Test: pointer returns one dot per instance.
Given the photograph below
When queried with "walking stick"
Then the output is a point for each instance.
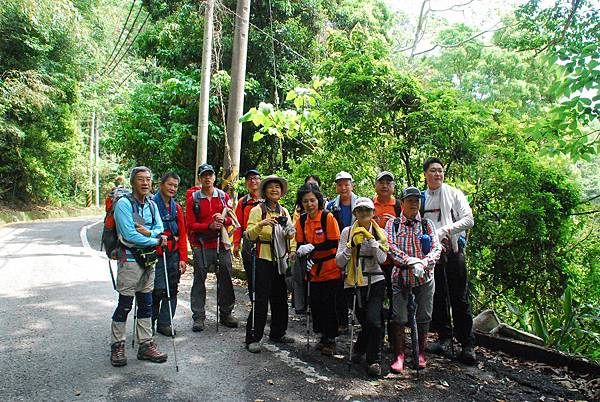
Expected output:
(170, 310)
(448, 306)
(412, 320)
(352, 317)
(134, 323)
(253, 287)
(217, 264)
(112, 275)
(308, 309)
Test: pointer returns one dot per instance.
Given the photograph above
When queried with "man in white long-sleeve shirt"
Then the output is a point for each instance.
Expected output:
(449, 210)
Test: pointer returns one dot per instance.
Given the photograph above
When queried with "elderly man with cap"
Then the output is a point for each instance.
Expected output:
(140, 231)
(204, 215)
(242, 212)
(341, 208)
(415, 249)
(270, 226)
(362, 249)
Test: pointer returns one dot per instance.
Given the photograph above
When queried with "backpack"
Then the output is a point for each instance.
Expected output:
(424, 238)
(304, 217)
(110, 238)
(196, 195)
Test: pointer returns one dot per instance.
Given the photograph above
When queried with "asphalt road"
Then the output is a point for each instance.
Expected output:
(56, 302)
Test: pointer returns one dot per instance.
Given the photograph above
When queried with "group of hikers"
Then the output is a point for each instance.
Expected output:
(341, 260)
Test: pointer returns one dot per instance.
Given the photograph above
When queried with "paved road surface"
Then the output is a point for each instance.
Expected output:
(56, 301)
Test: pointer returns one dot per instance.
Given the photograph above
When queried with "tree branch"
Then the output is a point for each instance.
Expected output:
(453, 7)
(576, 4)
(454, 45)
(585, 213)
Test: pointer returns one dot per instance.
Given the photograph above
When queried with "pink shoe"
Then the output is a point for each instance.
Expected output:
(398, 364)
(422, 360)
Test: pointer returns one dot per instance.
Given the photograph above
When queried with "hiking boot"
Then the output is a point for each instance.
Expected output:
(320, 344)
(283, 339)
(149, 351)
(198, 325)
(467, 355)
(117, 354)
(374, 370)
(442, 348)
(253, 347)
(229, 321)
(165, 330)
(328, 348)
(358, 358)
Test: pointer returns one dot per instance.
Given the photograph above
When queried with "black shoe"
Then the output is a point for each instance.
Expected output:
(198, 325)
(442, 348)
(229, 321)
(283, 339)
(467, 355)
(165, 330)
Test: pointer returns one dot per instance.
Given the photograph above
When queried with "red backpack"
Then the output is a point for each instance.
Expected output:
(110, 239)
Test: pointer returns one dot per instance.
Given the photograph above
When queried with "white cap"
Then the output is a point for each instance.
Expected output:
(363, 202)
(343, 176)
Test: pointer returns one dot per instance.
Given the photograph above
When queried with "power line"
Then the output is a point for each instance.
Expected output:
(130, 45)
(264, 32)
(120, 35)
(126, 37)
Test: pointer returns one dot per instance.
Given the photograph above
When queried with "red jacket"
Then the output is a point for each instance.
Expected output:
(182, 243)
(197, 225)
(242, 212)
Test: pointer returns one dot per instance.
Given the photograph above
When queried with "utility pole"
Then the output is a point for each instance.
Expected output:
(202, 139)
(98, 162)
(235, 107)
(91, 175)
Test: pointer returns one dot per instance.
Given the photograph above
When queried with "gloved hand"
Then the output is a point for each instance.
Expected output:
(442, 233)
(305, 249)
(373, 243)
(356, 236)
(418, 266)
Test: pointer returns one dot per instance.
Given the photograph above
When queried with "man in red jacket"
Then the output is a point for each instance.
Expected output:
(242, 212)
(171, 214)
(204, 209)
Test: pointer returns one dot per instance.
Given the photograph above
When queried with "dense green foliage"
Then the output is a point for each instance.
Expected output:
(514, 116)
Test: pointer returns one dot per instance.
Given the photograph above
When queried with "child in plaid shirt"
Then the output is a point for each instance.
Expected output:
(409, 236)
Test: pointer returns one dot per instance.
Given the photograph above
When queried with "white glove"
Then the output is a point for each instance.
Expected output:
(442, 233)
(305, 249)
(419, 270)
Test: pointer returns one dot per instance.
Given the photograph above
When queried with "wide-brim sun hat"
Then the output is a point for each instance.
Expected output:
(282, 182)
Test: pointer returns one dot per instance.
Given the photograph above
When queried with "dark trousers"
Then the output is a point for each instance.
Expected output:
(370, 318)
(341, 303)
(160, 308)
(322, 306)
(270, 289)
(458, 288)
(203, 260)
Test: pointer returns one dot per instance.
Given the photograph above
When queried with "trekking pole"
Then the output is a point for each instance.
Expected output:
(134, 323)
(448, 307)
(308, 310)
(217, 263)
(170, 310)
(351, 323)
(414, 335)
(253, 287)
(112, 275)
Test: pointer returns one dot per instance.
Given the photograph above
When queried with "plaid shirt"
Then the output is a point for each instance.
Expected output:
(404, 243)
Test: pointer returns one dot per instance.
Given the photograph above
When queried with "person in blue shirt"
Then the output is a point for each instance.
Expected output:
(341, 208)
(140, 231)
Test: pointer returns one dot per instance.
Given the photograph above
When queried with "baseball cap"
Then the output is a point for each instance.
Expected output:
(363, 202)
(385, 174)
(205, 167)
(343, 176)
(411, 192)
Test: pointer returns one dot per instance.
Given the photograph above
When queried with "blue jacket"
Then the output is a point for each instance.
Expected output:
(333, 206)
(126, 225)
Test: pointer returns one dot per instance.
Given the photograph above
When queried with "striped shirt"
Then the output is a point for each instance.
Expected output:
(405, 243)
